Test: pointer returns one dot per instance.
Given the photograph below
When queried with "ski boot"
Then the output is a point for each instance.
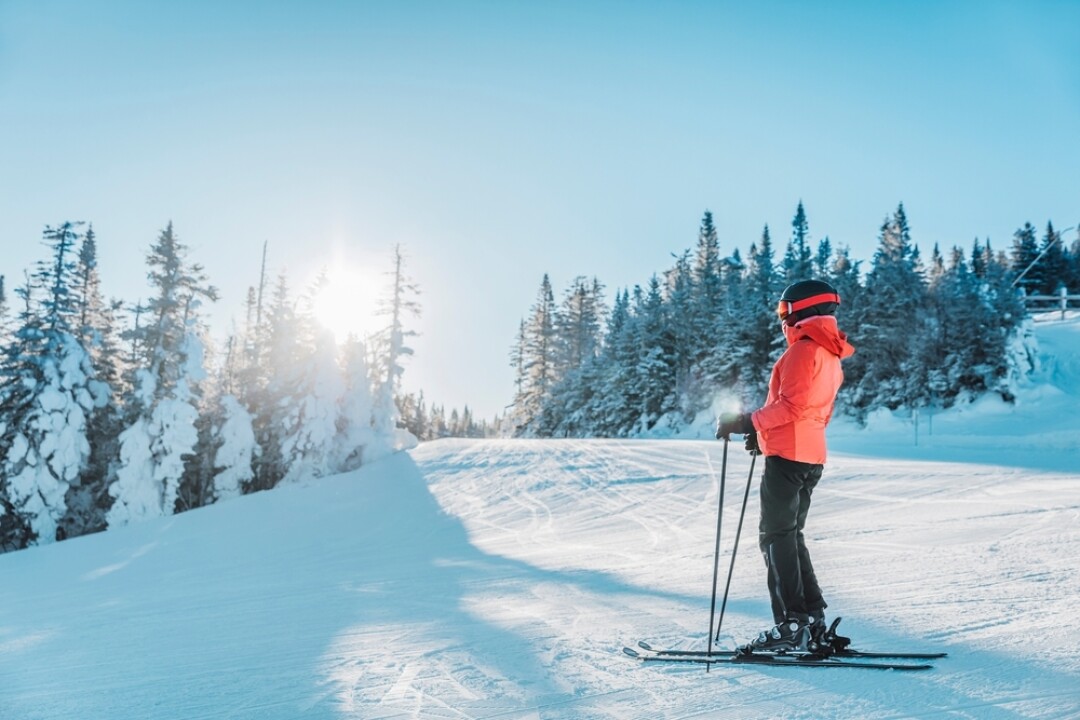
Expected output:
(792, 635)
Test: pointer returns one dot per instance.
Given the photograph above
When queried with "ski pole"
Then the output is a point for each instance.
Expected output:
(716, 553)
(734, 550)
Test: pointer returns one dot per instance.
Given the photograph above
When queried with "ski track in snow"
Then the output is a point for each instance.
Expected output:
(915, 554)
(501, 578)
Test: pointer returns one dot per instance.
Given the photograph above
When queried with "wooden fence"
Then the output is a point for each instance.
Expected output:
(1044, 303)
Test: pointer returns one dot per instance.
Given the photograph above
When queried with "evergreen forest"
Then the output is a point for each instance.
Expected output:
(929, 331)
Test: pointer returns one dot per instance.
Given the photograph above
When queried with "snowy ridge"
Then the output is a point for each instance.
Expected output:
(473, 579)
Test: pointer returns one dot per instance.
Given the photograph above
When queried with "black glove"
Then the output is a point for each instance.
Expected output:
(730, 424)
(751, 443)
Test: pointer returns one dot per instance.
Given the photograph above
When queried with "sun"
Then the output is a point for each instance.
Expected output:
(347, 304)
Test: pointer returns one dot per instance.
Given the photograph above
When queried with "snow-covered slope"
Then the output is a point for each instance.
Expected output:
(501, 578)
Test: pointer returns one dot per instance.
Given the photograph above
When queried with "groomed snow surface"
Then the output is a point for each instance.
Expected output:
(500, 579)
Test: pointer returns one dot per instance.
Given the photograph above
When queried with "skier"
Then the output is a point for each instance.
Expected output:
(790, 431)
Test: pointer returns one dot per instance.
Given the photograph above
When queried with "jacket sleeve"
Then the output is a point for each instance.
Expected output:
(796, 377)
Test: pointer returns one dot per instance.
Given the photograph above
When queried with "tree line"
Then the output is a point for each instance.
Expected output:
(928, 332)
(113, 412)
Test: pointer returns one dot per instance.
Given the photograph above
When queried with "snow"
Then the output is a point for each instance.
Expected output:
(233, 458)
(474, 579)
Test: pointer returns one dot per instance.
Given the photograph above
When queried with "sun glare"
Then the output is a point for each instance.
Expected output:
(347, 304)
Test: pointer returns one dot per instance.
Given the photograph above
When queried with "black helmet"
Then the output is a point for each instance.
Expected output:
(807, 298)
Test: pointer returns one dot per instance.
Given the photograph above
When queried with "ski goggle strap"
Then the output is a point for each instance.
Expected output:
(786, 307)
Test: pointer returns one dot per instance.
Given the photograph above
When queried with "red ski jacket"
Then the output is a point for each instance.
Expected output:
(802, 390)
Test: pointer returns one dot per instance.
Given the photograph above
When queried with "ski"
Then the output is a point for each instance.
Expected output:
(772, 661)
(845, 653)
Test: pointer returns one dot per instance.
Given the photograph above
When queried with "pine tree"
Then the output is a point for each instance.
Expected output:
(886, 361)
(272, 405)
(707, 289)
(946, 286)
(47, 389)
(438, 423)
(1055, 266)
(680, 286)
(1072, 265)
(308, 447)
(578, 325)
(1025, 250)
(798, 259)
(724, 367)
(1003, 314)
(654, 375)
(539, 361)
(518, 357)
(757, 339)
(397, 306)
(3, 311)
(235, 450)
(355, 440)
(97, 332)
(578, 338)
(937, 267)
(162, 435)
(823, 260)
(613, 411)
(978, 258)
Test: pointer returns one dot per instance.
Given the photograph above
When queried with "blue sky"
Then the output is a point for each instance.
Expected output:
(497, 141)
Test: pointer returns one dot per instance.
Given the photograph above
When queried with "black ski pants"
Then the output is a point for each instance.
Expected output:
(786, 487)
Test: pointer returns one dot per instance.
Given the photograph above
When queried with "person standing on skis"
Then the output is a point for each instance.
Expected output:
(789, 430)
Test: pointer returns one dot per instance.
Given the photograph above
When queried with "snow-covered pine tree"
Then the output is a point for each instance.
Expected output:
(654, 374)
(707, 291)
(539, 361)
(722, 368)
(161, 434)
(420, 419)
(1004, 356)
(254, 366)
(884, 371)
(47, 389)
(398, 305)
(845, 276)
(578, 324)
(354, 442)
(679, 284)
(235, 449)
(308, 447)
(939, 347)
(97, 331)
(612, 405)
(758, 341)
(516, 418)
(407, 410)
(272, 405)
(438, 427)
(3, 312)
(578, 328)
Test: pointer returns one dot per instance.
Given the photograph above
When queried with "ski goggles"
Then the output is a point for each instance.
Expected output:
(785, 307)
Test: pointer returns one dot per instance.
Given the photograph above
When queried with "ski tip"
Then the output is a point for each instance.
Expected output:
(631, 652)
(645, 646)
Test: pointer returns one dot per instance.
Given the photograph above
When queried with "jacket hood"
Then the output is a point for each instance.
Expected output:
(823, 330)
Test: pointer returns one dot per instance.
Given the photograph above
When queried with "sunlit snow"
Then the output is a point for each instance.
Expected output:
(475, 579)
